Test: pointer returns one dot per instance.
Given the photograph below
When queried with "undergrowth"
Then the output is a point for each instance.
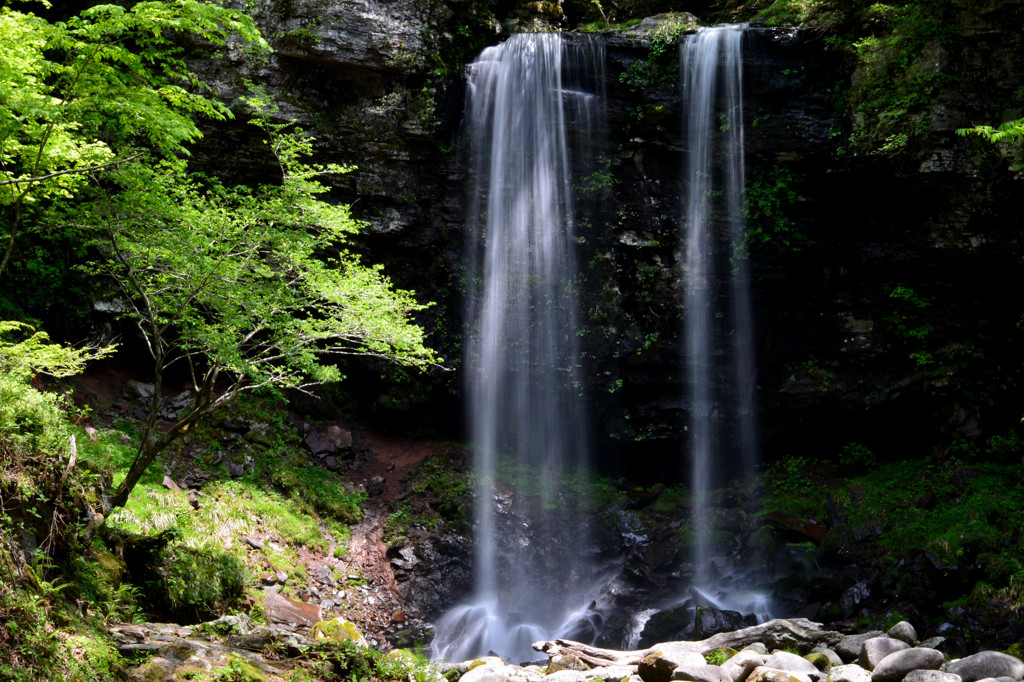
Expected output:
(960, 506)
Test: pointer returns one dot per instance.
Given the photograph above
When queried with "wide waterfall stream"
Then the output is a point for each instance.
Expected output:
(533, 109)
(534, 115)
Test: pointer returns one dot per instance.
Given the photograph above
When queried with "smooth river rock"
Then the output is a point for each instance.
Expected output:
(930, 676)
(700, 673)
(659, 665)
(875, 649)
(904, 632)
(783, 660)
(988, 664)
(851, 672)
(899, 664)
(849, 647)
(766, 674)
(739, 667)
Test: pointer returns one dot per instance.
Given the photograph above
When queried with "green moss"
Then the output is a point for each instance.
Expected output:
(336, 630)
(719, 656)
(818, 660)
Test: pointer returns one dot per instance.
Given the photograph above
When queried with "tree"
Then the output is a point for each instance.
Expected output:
(90, 94)
(248, 288)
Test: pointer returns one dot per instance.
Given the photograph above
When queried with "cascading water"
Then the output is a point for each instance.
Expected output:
(532, 106)
(721, 381)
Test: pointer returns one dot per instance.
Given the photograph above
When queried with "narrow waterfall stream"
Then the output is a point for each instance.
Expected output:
(720, 360)
(533, 107)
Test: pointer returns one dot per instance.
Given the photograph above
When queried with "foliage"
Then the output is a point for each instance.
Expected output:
(909, 323)
(347, 660)
(445, 480)
(790, 487)
(25, 352)
(817, 14)
(47, 518)
(769, 198)
(958, 506)
(659, 69)
(42, 494)
(1007, 137)
(249, 289)
(439, 490)
(890, 51)
(894, 78)
(193, 542)
(79, 97)
(717, 656)
(33, 648)
(252, 286)
(1011, 131)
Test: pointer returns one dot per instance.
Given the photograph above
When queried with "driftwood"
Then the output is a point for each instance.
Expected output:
(596, 657)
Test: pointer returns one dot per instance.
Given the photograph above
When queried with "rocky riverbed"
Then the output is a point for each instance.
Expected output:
(781, 650)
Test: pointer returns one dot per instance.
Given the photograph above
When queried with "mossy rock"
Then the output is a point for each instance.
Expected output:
(487, 660)
(109, 567)
(154, 670)
(337, 630)
(565, 662)
(403, 656)
(819, 660)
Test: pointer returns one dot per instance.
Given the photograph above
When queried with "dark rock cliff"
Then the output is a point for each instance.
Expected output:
(884, 278)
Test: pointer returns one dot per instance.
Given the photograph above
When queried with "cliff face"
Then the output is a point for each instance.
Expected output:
(884, 269)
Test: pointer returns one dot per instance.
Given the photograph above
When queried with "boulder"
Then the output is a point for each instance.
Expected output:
(739, 667)
(788, 635)
(611, 673)
(898, 664)
(700, 673)
(904, 632)
(930, 676)
(783, 660)
(565, 662)
(658, 666)
(849, 647)
(766, 674)
(850, 672)
(488, 672)
(337, 630)
(289, 613)
(819, 660)
(875, 649)
(987, 664)
(830, 654)
(341, 438)
(560, 676)
(138, 390)
(711, 621)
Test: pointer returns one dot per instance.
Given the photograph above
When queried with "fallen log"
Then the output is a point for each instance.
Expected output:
(596, 657)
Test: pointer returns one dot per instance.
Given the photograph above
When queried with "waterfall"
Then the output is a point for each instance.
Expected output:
(532, 106)
(720, 361)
